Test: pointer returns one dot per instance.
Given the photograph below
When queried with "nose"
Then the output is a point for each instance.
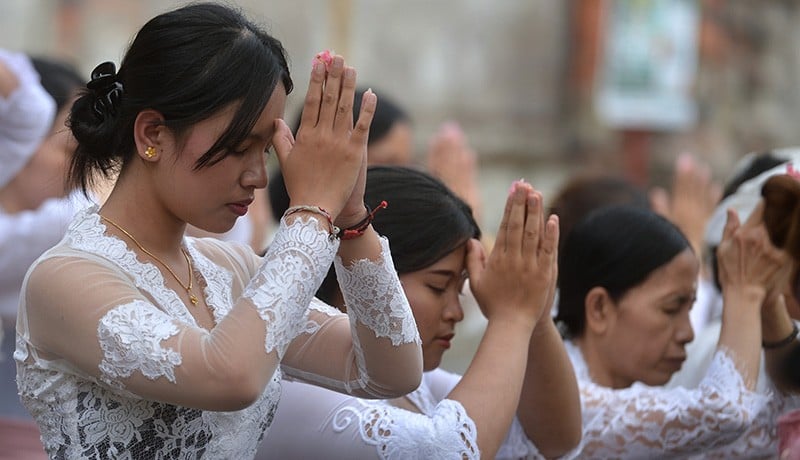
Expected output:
(453, 311)
(684, 333)
(255, 173)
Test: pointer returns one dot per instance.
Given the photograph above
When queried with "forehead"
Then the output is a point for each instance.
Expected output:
(680, 272)
(452, 263)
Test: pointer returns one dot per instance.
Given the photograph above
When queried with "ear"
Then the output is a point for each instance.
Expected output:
(149, 131)
(600, 310)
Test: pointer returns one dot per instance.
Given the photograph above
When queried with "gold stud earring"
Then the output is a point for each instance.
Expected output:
(150, 151)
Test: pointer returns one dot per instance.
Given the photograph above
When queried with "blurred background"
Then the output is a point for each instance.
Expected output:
(541, 88)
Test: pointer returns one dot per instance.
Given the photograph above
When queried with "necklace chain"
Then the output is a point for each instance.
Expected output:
(192, 297)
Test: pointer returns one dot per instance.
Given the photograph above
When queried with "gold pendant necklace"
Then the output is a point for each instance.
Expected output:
(192, 297)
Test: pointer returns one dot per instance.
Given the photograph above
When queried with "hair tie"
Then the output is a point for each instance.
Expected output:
(106, 88)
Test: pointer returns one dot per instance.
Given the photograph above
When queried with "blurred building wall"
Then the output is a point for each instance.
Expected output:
(517, 74)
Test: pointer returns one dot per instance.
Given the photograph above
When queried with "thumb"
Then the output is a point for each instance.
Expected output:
(731, 224)
(282, 140)
(475, 263)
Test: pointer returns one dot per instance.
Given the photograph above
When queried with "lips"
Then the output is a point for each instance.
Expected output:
(240, 207)
(444, 340)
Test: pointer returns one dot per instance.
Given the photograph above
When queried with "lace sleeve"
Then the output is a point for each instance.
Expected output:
(761, 438)
(294, 266)
(135, 334)
(647, 422)
(393, 370)
(378, 309)
(312, 422)
(373, 295)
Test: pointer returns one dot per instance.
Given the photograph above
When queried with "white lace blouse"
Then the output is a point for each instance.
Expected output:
(656, 422)
(103, 344)
(312, 422)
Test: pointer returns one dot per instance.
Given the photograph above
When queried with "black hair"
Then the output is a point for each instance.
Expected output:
(187, 64)
(585, 193)
(59, 78)
(614, 247)
(387, 114)
(424, 220)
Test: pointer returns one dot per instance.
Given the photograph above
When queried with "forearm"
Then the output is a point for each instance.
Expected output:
(550, 388)
(776, 327)
(490, 388)
(386, 345)
(739, 336)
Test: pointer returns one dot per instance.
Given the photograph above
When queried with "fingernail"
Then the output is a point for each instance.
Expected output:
(319, 67)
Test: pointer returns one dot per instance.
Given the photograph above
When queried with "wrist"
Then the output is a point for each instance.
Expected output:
(744, 293)
(358, 229)
(775, 341)
(514, 320)
(347, 219)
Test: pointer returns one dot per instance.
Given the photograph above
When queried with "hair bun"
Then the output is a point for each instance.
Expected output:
(782, 212)
(106, 89)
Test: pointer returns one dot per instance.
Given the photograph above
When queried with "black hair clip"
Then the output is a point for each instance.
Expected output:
(106, 89)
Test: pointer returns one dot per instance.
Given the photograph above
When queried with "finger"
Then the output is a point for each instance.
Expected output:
(534, 223)
(731, 224)
(517, 218)
(502, 230)
(310, 114)
(549, 245)
(282, 140)
(330, 95)
(361, 130)
(475, 262)
(344, 111)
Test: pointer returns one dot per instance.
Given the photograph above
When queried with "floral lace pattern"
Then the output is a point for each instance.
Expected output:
(373, 293)
(761, 438)
(130, 337)
(375, 298)
(82, 418)
(398, 434)
(654, 422)
(290, 275)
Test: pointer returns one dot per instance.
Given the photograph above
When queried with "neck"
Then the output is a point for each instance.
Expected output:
(600, 370)
(143, 217)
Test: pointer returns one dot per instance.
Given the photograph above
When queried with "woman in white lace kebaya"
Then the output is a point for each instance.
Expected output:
(519, 393)
(135, 341)
(627, 279)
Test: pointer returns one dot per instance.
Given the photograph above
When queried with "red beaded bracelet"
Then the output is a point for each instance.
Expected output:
(358, 229)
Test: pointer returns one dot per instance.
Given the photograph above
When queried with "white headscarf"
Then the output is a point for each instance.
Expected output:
(26, 116)
(746, 197)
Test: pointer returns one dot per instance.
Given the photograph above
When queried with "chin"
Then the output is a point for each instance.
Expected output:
(430, 363)
(657, 381)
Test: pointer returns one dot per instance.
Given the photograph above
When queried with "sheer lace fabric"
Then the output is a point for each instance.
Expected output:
(314, 423)
(760, 440)
(655, 422)
(112, 364)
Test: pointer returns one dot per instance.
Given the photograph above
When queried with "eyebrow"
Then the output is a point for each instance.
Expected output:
(443, 272)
